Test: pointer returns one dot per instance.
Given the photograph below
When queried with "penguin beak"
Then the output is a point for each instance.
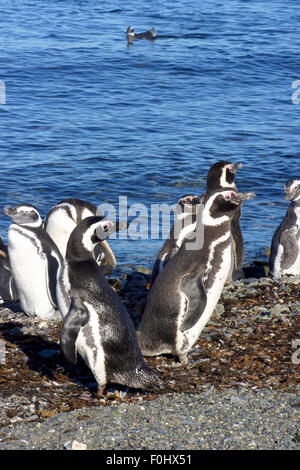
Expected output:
(110, 257)
(242, 197)
(237, 167)
(190, 200)
(194, 200)
(290, 193)
(9, 211)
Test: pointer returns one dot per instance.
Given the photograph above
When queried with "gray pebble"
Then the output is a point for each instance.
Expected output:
(254, 419)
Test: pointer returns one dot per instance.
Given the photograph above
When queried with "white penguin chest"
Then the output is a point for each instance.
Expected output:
(30, 269)
(219, 274)
(59, 227)
(89, 346)
(63, 289)
(294, 268)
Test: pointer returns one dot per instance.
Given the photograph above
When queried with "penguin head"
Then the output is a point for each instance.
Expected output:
(24, 215)
(221, 175)
(130, 31)
(189, 203)
(86, 235)
(220, 205)
(292, 189)
(152, 31)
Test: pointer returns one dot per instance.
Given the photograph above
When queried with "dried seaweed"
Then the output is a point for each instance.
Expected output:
(248, 345)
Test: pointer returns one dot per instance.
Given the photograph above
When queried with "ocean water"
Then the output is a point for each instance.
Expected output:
(84, 115)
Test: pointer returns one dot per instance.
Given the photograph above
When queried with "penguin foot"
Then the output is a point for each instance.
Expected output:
(86, 397)
(183, 359)
(101, 390)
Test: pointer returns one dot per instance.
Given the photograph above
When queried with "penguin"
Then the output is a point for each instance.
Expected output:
(186, 291)
(63, 218)
(222, 175)
(97, 325)
(34, 260)
(8, 292)
(184, 224)
(131, 35)
(285, 248)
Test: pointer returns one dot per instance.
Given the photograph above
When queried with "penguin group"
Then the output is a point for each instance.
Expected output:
(56, 269)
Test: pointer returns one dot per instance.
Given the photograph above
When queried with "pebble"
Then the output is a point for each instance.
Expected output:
(75, 445)
(219, 309)
(264, 419)
(278, 309)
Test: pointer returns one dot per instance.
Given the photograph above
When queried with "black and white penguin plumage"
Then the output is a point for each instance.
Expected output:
(186, 291)
(285, 248)
(131, 35)
(222, 175)
(63, 218)
(8, 290)
(184, 224)
(97, 324)
(34, 260)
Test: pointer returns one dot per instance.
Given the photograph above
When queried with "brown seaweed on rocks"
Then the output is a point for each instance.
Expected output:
(247, 344)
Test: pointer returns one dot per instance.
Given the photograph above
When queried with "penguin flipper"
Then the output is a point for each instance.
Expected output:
(155, 272)
(238, 242)
(195, 292)
(7, 285)
(160, 263)
(77, 317)
(51, 276)
(290, 247)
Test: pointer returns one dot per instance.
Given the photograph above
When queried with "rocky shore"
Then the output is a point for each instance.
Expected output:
(239, 390)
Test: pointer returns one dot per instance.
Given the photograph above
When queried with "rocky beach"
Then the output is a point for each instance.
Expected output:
(239, 390)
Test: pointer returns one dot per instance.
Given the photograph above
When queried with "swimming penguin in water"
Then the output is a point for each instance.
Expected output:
(285, 248)
(186, 291)
(222, 175)
(8, 292)
(184, 224)
(34, 260)
(131, 35)
(97, 324)
(63, 218)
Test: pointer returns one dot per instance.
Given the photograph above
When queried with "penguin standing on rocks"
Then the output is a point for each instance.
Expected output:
(285, 248)
(222, 175)
(186, 291)
(34, 260)
(185, 223)
(97, 324)
(8, 290)
(63, 218)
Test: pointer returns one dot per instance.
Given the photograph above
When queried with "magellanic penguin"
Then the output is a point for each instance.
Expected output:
(8, 290)
(285, 248)
(186, 291)
(63, 218)
(34, 260)
(97, 324)
(222, 175)
(131, 35)
(184, 224)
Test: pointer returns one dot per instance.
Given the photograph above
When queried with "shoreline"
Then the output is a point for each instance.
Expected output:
(244, 352)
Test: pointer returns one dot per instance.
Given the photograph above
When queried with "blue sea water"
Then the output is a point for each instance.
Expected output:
(87, 116)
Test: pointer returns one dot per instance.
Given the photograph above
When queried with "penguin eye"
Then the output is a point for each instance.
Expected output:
(227, 196)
